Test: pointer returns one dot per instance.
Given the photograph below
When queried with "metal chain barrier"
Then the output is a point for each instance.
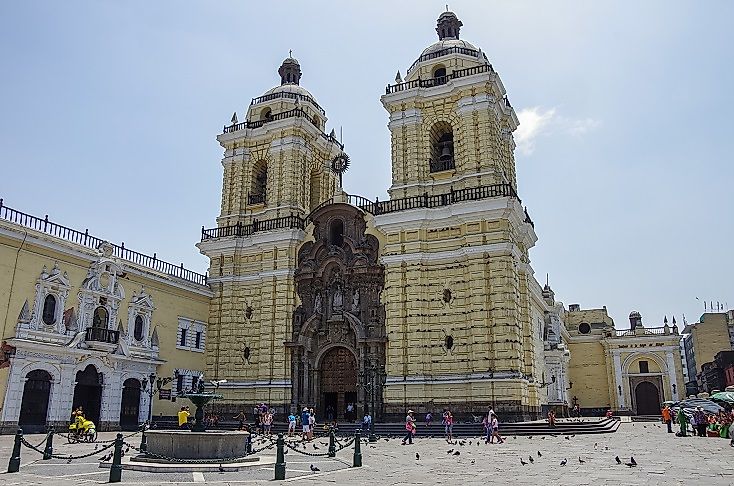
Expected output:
(69, 457)
(199, 461)
(44, 440)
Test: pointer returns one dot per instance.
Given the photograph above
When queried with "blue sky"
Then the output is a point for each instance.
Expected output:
(110, 112)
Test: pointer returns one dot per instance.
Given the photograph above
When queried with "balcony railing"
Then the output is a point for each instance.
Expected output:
(645, 331)
(372, 207)
(85, 239)
(285, 94)
(438, 81)
(445, 52)
(103, 335)
(256, 199)
(441, 165)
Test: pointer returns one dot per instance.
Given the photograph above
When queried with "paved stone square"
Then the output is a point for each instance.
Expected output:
(662, 459)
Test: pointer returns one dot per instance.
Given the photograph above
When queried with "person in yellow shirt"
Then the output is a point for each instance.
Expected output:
(183, 418)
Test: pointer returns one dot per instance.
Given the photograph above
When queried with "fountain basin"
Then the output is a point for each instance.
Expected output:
(184, 444)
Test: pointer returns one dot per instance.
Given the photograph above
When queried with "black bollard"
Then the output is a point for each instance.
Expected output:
(14, 464)
(357, 460)
(248, 444)
(332, 445)
(49, 450)
(116, 468)
(143, 441)
(280, 460)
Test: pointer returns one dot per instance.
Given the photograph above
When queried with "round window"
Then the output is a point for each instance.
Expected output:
(584, 328)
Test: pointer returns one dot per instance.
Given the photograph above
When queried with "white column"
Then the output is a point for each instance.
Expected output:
(672, 375)
(63, 394)
(618, 380)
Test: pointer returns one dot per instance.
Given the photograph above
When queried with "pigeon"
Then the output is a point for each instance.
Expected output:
(96, 446)
(632, 462)
(314, 468)
(449, 451)
(523, 462)
(285, 451)
(461, 443)
(457, 453)
(417, 457)
(221, 469)
(564, 462)
(469, 442)
(581, 461)
(531, 458)
(539, 454)
(68, 461)
(567, 438)
(315, 446)
(472, 461)
(596, 444)
(530, 437)
(618, 460)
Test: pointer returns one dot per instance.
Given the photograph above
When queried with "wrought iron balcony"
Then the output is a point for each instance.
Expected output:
(431, 82)
(286, 94)
(440, 165)
(464, 51)
(256, 199)
(101, 334)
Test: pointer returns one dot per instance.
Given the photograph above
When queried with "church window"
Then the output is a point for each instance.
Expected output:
(265, 114)
(644, 367)
(193, 341)
(584, 328)
(259, 183)
(138, 330)
(179, 383)
(183, 337)
(442, 147)
(101, 317)
(197, 340)
(336, 232)
(449, 342)
(439, 75)
(49, 310)
(446, 295)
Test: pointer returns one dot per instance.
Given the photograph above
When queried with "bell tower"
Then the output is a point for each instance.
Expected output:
(276, 170)
(450, 122)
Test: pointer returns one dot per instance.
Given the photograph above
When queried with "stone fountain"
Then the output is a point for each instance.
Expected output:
(197, 443)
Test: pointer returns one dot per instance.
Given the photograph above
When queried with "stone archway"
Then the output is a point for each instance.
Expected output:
(88, 393)
(34, 405)
(337, 382)
(647, 398)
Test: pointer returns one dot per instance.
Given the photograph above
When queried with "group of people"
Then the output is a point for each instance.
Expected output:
(702, 424)
(308, 422)
(489, 421)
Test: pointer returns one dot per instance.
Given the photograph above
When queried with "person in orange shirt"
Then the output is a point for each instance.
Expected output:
(668, 418)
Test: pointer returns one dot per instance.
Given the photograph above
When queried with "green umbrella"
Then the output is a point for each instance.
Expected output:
(727, 397)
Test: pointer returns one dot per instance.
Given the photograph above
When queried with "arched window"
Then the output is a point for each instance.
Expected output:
(101, 317)
(259, 183)
(138, 330)
(439, 75)
(49, 310)
(265, 114)
(442, 147)
(316, 121)
(336, 232)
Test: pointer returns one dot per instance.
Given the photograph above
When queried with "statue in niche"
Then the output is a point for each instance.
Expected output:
(338, 302)
(317, 304)
(355, 301)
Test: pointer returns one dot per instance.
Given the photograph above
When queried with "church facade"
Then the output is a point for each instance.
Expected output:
(315, 297)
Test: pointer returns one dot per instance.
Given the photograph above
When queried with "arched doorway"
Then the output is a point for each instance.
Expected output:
(130, 406)
(647, 399)
(338, 382)
(88, 393)
(34, 406)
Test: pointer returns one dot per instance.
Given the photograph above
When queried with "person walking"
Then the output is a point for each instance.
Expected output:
(366, 422)
(699, 417)
(183, 418)
(683, 422)
(429, 419)
(267, 422)
(667, 418)
(551, 418)
(291, 424)
(305, 417)
(409, 428)
(496, 430)
(311, 423)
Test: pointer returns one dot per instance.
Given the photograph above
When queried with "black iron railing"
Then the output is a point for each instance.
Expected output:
(85, 239)
(103, 335)
(441, 165)
(256, 199)
(369, 206)
(438, 81)
(445, 52)
(285, 94)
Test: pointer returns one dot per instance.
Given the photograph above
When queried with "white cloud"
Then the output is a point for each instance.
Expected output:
(538, 121)
(533, 121)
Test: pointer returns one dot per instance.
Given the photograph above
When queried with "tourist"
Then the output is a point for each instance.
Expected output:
(496, 430)
(291, 425)
(429, 419)
(609, 413)
(350, 412)
(668, 418)
(551, 418)
(311, 423)
(305, 417)
(448, 423)
(183, 418)
(700, 420)
(241, 419)
(267, 422)
(366, 422)
(576, 412)
(409, 428)
(683, 422)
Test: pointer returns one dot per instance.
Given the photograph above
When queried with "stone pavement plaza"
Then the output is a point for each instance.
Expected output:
(662, 458)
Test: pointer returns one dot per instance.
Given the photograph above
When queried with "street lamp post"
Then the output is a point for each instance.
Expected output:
(156, 384)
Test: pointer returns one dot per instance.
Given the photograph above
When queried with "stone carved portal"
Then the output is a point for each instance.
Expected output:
(338, 343)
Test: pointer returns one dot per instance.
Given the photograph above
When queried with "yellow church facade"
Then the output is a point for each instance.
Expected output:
(315, 297)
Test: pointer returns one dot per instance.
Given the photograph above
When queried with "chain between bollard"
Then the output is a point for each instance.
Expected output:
(199, 461)
(70, 457)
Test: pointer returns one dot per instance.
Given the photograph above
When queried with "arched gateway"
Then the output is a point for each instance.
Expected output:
(338, 344)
